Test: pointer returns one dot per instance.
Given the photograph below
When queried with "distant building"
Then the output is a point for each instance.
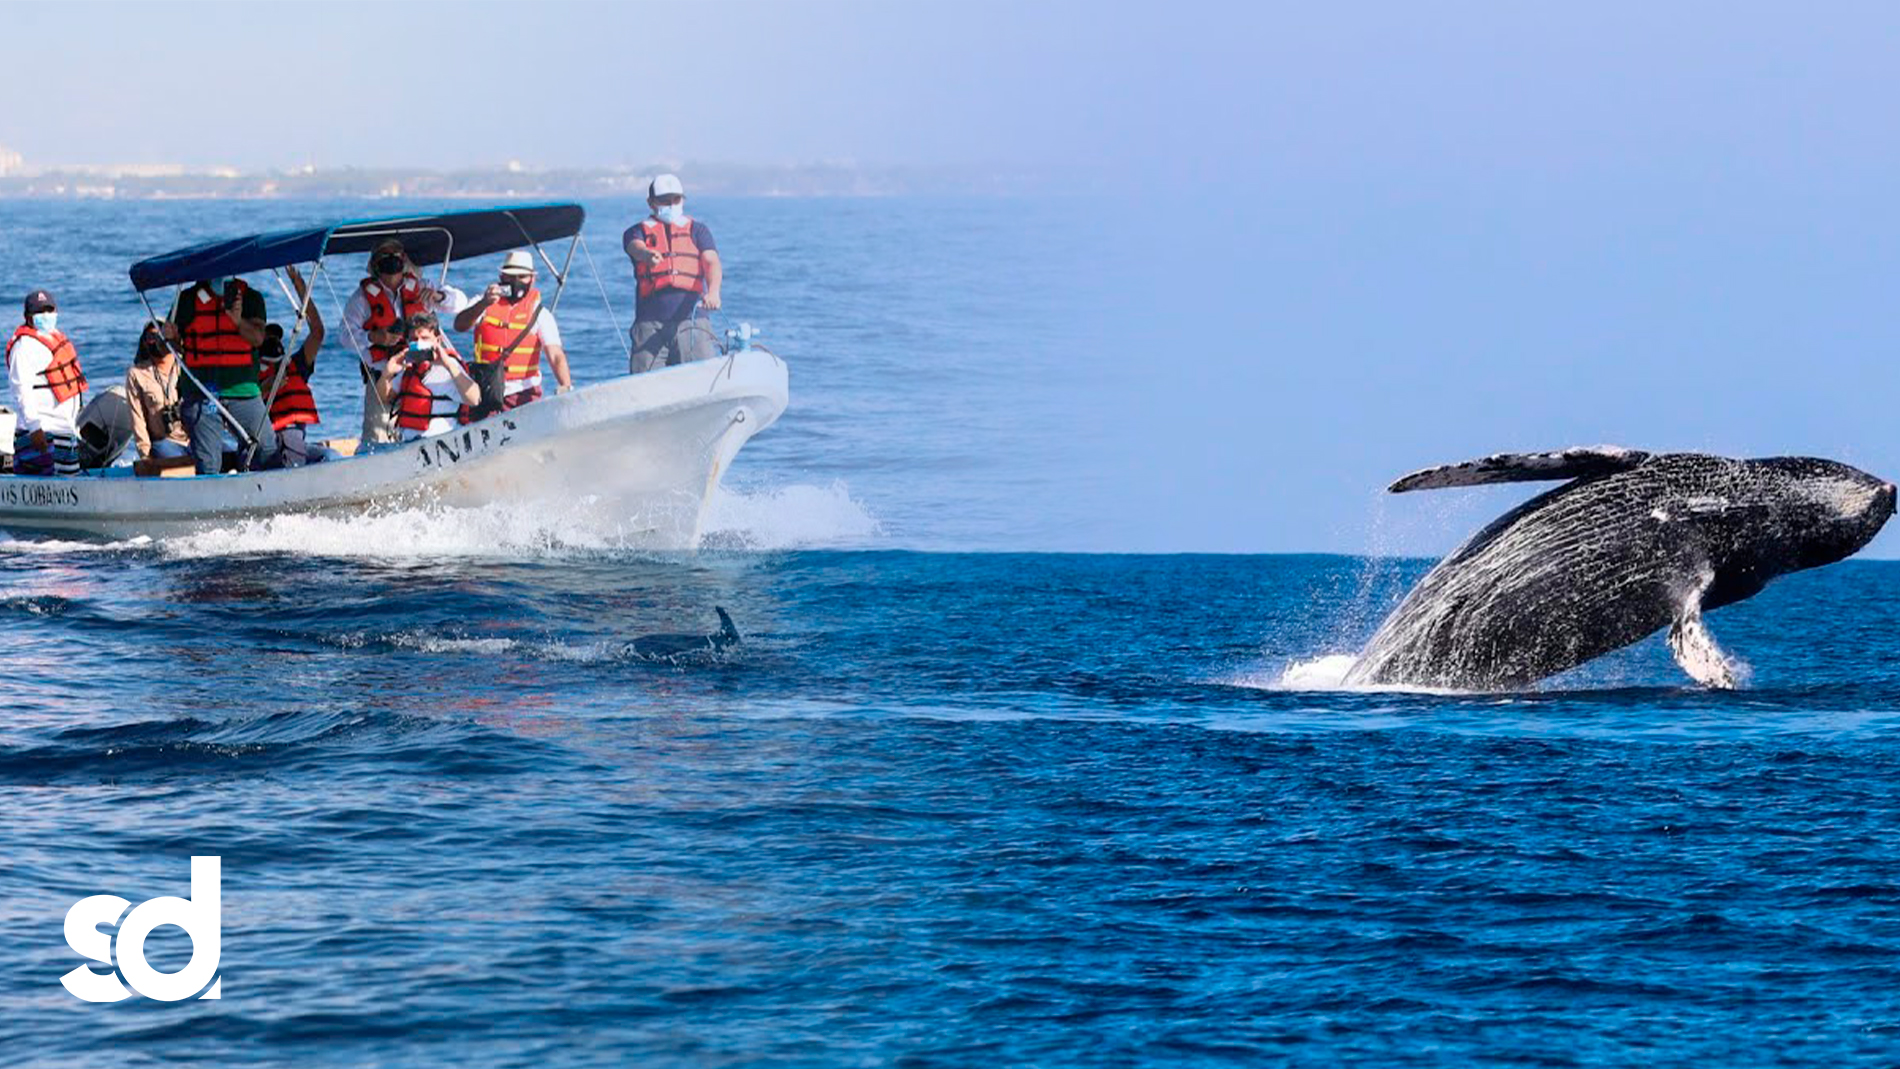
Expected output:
(11, 162)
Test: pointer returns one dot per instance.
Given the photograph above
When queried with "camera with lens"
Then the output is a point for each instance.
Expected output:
(169, 417)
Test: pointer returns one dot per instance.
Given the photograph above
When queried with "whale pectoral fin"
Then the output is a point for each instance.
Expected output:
(1695, 650)
(1525, 468)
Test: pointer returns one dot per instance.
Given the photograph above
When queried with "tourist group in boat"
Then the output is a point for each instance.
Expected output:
(217, 362)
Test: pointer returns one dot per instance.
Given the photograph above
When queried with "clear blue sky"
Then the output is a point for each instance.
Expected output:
(1337, 241)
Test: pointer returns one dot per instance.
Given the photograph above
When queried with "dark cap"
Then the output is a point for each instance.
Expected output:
(39, 301)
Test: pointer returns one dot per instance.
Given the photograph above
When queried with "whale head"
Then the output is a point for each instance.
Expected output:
(1795, 513)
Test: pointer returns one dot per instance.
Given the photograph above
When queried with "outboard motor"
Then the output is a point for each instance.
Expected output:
(105, 428)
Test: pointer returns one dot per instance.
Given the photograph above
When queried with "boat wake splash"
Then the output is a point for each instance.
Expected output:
(780, 518)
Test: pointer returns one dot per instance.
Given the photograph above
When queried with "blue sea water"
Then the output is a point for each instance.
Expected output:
(947, 804)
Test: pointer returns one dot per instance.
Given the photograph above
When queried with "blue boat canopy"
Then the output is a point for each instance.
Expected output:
(429, 239)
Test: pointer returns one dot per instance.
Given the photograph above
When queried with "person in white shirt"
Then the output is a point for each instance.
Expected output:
(425, 383)
(512, 331)
(48, 390)
(392, 291)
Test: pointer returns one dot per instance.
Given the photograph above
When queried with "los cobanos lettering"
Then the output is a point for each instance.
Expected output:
(38, 493)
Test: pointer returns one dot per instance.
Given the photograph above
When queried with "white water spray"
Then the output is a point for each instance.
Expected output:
(790, 517)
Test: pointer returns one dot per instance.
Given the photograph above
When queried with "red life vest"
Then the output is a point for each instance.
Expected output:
(294, 403)
(500, 325)
(62, 374)
(384, 310)
(680, 266)
(416, 405)
(210, 341)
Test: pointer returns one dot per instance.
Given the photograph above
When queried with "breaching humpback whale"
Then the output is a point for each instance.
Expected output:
(1632, 543)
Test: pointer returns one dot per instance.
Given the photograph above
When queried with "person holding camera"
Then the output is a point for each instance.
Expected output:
(425, 383)
(220, 325)
(49, 388)
(151, 389)
(393, 290)
(512, 330)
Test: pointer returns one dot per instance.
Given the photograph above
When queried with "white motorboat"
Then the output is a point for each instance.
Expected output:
(651, 446)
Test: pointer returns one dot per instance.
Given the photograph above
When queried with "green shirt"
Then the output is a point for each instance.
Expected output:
(235, 383)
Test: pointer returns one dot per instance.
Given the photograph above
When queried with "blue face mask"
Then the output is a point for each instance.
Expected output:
(46, 321)
(672, 214)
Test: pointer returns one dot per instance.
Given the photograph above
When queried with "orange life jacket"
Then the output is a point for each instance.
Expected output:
(680, 266)
(500, 325)
(384, 310)
(62, 374)
(294, 403)
(416, 405)
(210, 341)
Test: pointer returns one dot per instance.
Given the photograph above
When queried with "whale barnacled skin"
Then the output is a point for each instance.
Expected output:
(1605, 560)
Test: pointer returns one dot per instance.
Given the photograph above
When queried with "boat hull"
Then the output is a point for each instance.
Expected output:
(653, 445)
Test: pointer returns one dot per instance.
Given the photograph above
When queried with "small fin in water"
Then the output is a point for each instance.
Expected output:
(668, 647)
(1570, 463)
(727, 634)
(1696, 652)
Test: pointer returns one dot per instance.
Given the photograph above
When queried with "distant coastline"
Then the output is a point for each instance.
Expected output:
(162, 182)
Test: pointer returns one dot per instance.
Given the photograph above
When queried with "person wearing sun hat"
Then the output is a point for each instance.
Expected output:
(678, 269)
(48, 390)
(512, 331)
(391, 292)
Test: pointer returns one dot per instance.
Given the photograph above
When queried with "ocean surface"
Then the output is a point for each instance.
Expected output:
(948, 803)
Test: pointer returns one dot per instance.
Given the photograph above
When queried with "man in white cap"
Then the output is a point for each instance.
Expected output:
(512, 330)
(678, 269)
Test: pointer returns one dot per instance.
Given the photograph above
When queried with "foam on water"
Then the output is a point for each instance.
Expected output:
(789, 517)
(1326, 672)
(28, 546)
(427, 533)
(786, 517)
(578, 652)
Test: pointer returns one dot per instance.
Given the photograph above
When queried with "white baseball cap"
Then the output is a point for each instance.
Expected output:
(664, 185)
(518, 262)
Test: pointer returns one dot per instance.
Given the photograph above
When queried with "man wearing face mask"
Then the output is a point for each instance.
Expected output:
(679, 274)
(512, 330)
(220, 325)
(393, 291)
(48, 389)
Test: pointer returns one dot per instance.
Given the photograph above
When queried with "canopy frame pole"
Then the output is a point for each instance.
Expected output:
(395, 230)
(560, 277)
(283, 362)
(244, 436)
(369, 370)
(626, 342)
